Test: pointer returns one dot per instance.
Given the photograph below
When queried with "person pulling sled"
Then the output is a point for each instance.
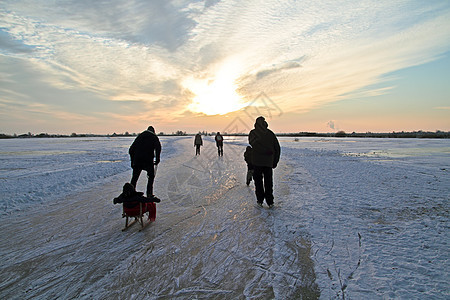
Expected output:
(145, 155)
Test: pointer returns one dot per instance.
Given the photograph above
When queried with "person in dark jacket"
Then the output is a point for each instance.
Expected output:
(219, 143)
(248, 160)
(265, 157)
(197, 143)
(145, 154)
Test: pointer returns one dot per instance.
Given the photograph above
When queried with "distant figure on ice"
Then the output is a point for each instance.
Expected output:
(145, 154)
(248, 160)
(219, 143)
(197, 143)
(265, 157)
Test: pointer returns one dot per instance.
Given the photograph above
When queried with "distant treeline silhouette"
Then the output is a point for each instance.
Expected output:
(402, 134)
(341, 134)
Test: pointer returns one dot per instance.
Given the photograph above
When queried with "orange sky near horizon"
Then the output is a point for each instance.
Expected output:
(195, 66)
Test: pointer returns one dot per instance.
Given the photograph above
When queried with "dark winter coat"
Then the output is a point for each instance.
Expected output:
(198, 140)
(144, 149)
(219, 140)
(266, 148)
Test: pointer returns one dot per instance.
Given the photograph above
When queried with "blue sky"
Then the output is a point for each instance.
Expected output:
(116, 66)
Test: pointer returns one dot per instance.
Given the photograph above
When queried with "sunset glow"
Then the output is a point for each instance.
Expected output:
(183, 65)
(216, 95)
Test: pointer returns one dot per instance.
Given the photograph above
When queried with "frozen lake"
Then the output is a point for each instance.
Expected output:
(353, 218)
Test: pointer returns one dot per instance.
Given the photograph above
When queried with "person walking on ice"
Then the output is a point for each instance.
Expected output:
(219, 143)
(197, 143)
(145, 154)
(265, 157)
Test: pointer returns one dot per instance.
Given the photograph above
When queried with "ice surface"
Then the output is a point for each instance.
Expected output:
(353, 218)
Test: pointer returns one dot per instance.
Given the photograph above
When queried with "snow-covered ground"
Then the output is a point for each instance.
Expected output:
(354, 219)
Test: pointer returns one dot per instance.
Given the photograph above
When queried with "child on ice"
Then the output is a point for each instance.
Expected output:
(248, 160)
(131, 198)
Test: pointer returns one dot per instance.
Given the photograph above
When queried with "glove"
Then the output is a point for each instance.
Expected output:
(157, 161)
(274, 166)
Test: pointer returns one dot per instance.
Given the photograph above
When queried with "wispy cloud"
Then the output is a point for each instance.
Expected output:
(9, 45)
(301, 54)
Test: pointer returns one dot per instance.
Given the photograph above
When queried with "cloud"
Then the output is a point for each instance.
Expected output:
(10, 45)
(277, 69)
(331, 124)
(353, 62)
(158, 22)
(301, 54)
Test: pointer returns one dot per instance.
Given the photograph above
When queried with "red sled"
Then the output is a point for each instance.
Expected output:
(137, 211)
(136, 206)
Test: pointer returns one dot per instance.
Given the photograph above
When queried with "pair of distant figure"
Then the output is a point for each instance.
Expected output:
(198, 142)
(262, 157)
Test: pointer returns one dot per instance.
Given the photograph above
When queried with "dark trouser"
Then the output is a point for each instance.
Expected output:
(151, 178)
(197, 149)
(263, 190)
(220, 150)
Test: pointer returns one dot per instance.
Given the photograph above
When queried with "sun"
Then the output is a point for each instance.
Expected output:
(215, 95)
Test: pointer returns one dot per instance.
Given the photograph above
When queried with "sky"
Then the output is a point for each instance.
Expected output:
(100, 67)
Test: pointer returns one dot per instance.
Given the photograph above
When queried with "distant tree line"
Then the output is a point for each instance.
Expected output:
(414, 134)
(403, 134)
(47, 135)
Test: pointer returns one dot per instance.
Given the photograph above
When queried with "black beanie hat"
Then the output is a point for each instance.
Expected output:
(260, 121)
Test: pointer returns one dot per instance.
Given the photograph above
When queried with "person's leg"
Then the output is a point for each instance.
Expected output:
(259, 188)
(268, 185)
(135, 177)
(151, 178)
